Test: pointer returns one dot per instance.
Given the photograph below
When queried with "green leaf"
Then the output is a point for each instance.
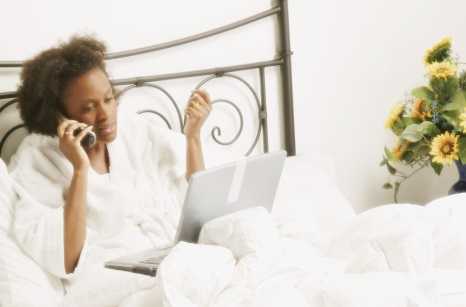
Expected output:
(398, 127)
(458, 103)
(389, 154)
(437, 167)
(459, 98)
(408, 156)
(444, 89)
(420, 151)
(412, 133)
(387, 186)
(423, 150)
(428, 128)
(451, 117)
(391, 169)
(408, 121)
(423, 92)
(462, 149)
(383, 162)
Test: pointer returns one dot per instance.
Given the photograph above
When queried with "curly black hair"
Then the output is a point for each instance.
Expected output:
(45, 77)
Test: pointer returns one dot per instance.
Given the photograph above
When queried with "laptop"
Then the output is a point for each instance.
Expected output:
(215, 192)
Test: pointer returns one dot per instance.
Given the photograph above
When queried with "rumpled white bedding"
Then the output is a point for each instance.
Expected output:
(387, 256)
(393, 256)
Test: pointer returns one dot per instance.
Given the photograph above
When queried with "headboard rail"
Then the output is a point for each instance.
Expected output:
(283, 61)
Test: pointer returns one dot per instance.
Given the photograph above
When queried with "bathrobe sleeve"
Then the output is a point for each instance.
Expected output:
(39, 180)
(167, 150)
(162, 153)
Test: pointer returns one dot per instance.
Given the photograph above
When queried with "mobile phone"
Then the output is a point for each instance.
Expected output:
(88, 140)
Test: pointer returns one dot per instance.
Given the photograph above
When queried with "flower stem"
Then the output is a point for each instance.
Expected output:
(405, 177)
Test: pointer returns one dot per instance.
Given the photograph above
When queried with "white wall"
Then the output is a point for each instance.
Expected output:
(352, 60)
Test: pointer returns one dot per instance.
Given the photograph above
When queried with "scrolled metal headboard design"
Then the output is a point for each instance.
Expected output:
(283, 61)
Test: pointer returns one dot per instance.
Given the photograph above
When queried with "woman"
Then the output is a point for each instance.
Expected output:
(91, 204)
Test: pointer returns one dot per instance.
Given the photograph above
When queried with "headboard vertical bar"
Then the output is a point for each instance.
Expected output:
(263, 111)
(287, 82)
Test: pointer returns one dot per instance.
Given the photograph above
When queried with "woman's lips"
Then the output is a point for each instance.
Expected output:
(104, 130)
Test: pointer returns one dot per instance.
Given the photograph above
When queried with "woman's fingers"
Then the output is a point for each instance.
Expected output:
(205, 96)
(196, 99)
(193, 112)
(198, 107)
(201, 97)
(63, 125)
(69, 130)
(200, 104)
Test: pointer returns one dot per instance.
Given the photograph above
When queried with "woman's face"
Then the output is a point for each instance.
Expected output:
(90, 99)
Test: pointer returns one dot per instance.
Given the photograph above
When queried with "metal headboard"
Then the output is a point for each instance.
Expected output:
(282, 60)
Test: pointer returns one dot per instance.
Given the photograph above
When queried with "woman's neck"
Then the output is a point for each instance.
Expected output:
(99, 158)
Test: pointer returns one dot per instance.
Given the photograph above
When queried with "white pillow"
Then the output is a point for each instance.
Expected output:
(309, 204)
(22, 281)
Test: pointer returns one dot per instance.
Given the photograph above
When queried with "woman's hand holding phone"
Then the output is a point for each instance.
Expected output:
(70, 144)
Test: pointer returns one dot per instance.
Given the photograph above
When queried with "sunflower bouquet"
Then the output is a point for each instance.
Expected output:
(430, 124)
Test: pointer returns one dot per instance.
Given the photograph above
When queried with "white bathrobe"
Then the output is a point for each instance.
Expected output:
(134, 207)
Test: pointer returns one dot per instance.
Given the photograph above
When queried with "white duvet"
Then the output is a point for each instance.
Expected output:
(391, 256)
(387, 256)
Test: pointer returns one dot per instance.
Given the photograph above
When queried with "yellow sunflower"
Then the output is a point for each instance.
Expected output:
(463, 120)
(439, 49)
(399, 150)
(441, 70)
(420, 110)
(444, 148)
(394, 115)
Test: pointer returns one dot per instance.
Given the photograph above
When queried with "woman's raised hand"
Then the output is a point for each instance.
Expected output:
(197, 111)
(70, 144)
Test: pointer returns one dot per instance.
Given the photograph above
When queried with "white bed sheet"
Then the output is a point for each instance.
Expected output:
(288, 272)
(291, 265)
(451, 287)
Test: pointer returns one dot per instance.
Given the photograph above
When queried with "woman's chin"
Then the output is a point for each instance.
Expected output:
(106, 138)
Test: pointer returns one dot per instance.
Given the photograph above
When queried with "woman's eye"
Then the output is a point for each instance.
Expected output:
(88, 109)
(109, 99)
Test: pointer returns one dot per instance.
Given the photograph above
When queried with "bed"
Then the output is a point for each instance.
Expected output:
(312, 250)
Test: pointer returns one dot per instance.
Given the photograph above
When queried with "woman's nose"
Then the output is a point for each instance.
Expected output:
(103, 113)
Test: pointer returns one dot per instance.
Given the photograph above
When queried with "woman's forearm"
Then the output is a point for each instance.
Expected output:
(75, 220)
(199, 107)
(194, 157)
